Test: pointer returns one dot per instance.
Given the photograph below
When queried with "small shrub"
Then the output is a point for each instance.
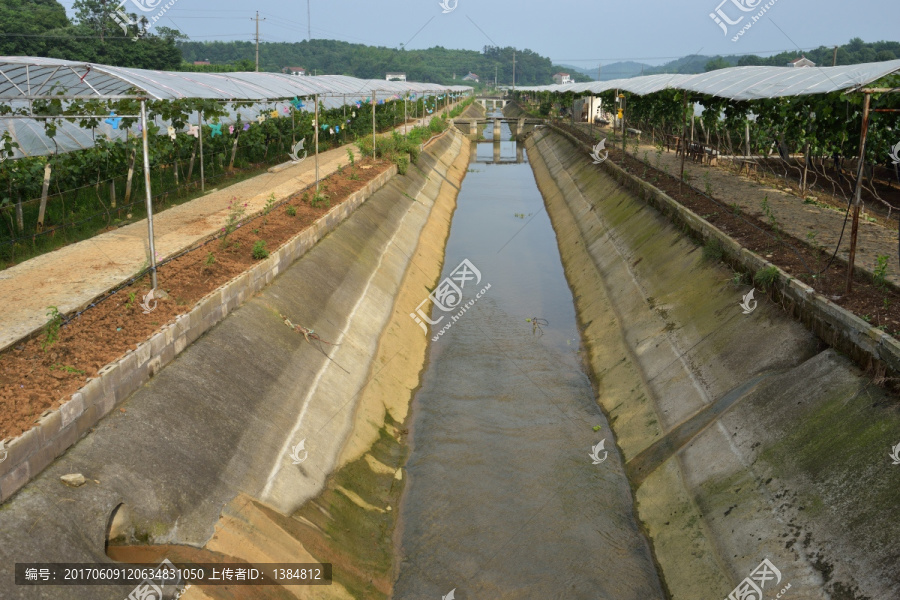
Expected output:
(707, 184)
(270, 203)
(210, 259)
(351, 157)
(259, 250)
(236, 212)
(767, 277)
(713, 250)
(320, 200)
(52, 329)
(354, 176)
(291, 211)
(770, 215)
(879, 275)
(130, 302)
(402, 164)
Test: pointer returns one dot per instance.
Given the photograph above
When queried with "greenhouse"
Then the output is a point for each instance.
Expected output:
(74, 126)
(746, 114)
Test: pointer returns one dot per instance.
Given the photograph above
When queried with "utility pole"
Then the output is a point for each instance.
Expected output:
(308, 23)
(514, 72)
(257, 19)
(834, 60)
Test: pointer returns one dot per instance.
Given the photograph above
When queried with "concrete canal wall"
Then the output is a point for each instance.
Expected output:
(746, 436)
(201, 454)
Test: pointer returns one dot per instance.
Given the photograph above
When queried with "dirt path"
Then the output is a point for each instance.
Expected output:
(71, 277)
(793, 216)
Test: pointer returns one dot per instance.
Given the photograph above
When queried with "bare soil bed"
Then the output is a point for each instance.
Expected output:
(36, 376)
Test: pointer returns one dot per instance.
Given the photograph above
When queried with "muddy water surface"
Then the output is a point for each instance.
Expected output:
(502, 497)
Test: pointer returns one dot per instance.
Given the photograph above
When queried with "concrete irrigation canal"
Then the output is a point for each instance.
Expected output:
(518, 379)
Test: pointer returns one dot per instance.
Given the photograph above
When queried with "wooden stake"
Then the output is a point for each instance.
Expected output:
(857, 200)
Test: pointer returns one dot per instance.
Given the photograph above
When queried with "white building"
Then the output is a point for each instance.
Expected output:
(471, 77)
(296, 71)
(801, 62)
(561, 78)
(395, 77)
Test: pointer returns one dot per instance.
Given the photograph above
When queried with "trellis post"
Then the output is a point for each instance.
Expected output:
(683, 140)
(374, 94)
(202, 172)
(316, 127)
(149, 194)
(857, 198)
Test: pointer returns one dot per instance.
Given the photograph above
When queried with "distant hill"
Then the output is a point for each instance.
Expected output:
(617, 70)
(855, 52)
(438, 64)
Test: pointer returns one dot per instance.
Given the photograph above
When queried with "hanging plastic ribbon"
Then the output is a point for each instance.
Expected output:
(113, 120)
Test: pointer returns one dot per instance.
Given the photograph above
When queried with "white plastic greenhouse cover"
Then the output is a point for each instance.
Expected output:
(32, 77)
(744, 83)
(24, 77)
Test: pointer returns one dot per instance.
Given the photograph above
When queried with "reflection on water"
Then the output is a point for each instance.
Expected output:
(502, 498)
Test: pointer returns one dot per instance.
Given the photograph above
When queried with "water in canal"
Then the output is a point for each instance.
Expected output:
(502, 498)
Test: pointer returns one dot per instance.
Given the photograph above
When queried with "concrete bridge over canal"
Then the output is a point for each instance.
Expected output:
(492, 102)
(477, 127)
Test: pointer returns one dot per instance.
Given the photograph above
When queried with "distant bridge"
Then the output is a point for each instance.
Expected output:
(517, 126)
(492, 101)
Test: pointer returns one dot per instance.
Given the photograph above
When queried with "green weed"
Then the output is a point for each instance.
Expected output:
(879, 275)
(766, 277)
(259, 250)
(52, 328)
(713, 250)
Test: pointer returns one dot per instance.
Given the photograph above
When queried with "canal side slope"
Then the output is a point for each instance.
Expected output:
(220, 449)
(745, 437)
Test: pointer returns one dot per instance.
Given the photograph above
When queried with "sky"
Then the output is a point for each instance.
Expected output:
(583, 33)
